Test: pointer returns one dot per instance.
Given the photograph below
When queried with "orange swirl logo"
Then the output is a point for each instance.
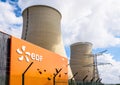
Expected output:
(28, 55)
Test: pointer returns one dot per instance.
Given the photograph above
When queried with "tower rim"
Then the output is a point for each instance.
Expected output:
(84, 43)
(43, 6)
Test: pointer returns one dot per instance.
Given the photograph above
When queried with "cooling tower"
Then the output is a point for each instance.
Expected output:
(80, 60)
(41, 26)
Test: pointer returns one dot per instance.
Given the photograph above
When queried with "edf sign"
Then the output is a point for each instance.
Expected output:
(33, 65)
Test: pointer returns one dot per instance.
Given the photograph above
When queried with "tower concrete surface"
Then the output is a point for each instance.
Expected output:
(80, 59)
(42, 26)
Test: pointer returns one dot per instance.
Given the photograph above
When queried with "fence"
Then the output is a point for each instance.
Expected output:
(84, 83)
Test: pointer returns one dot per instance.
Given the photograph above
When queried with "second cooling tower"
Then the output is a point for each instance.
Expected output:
(80, 59)
(41, 26)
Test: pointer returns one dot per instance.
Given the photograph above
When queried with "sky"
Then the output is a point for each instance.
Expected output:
(95, 21)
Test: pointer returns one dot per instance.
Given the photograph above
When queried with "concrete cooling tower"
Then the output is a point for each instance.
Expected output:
(42, 26)
(79, 61)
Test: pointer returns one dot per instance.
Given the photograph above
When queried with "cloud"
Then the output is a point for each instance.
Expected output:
(53, 3)
(110, 74)
(96, 25)
(95, 21)
(9, 23)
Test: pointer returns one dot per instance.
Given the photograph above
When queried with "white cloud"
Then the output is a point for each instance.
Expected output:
(95, 21)
(8, 20)
(110, 74)
(95, 24)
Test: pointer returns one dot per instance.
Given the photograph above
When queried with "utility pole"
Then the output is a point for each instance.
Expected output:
(95, 64)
